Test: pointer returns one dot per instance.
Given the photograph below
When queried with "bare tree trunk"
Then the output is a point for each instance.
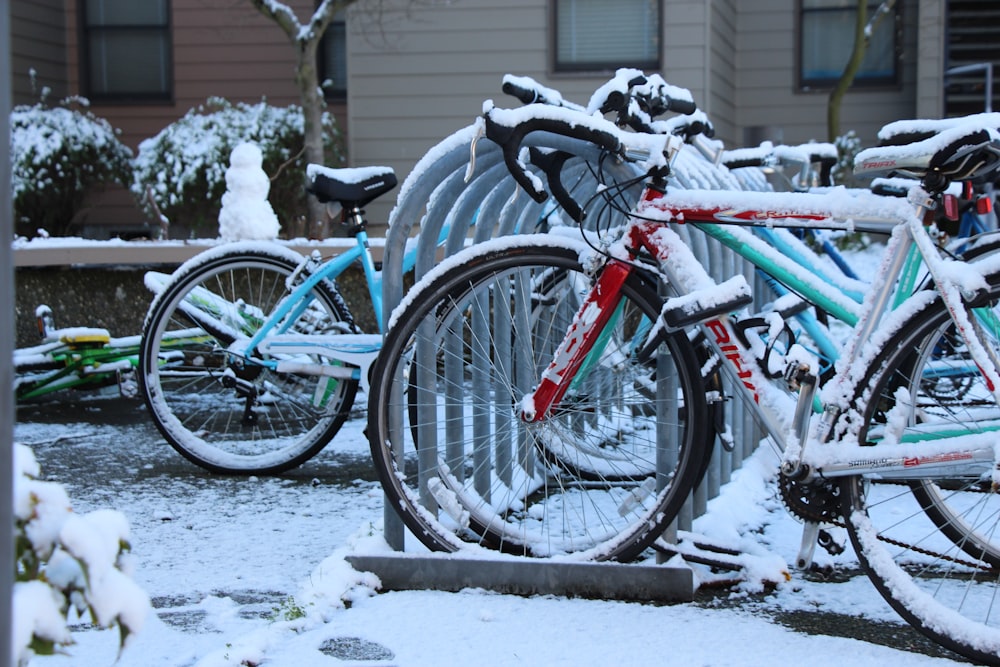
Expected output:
(863, 29)
(306, 40)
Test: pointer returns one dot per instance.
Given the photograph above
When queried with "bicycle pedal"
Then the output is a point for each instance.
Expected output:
(830, 543)
(705, 304)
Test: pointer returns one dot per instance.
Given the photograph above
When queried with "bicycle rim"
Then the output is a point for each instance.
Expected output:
(931, 546)
(228, 414)
(599, 479)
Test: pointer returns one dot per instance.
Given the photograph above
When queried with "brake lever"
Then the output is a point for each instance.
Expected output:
(480, 133)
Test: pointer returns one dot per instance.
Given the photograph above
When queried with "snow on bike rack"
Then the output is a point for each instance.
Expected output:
(486, 204)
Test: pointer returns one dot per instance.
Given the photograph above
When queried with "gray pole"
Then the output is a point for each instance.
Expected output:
(6, 347)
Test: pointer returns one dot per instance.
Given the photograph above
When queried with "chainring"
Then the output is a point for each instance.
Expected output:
(816, 501)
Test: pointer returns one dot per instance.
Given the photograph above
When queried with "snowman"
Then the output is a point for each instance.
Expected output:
(246, 214)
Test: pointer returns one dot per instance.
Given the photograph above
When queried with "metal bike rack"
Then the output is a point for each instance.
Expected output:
(438, 195)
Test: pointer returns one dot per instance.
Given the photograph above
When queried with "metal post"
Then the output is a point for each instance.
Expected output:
(6, 349)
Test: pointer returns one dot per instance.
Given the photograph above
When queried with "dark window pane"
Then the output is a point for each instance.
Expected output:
(334, 54)
(126, 12)
(827, 38)
(122, 63)
(127, 48)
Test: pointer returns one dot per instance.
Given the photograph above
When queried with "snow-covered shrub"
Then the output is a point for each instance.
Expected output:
(58, 154)
(848, 145)
(185, 164)
(65, 560)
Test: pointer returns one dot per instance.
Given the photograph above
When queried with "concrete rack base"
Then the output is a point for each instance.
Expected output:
(610, 581)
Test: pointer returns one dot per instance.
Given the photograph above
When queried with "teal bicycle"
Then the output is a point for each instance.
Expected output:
(271, 358)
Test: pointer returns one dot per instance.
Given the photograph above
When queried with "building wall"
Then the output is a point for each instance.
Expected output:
(419, 75)
(419, 71)
(930, 55)
(723, 58)
(38, 43)
(220, 48)
(766, 80)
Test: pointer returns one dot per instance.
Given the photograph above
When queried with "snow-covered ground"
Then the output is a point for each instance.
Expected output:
(252, 572)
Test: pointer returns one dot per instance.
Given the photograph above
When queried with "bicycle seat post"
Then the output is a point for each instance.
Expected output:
(354, 221)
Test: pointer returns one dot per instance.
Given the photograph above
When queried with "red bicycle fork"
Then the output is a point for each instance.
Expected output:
(588, 323)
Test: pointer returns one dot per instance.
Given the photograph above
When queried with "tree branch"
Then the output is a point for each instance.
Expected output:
(862, 35)
(324, 14)
(281, 14)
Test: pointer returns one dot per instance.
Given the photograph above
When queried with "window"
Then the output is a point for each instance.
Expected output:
(126, 49)
(601, 35)
(333, 59)
(826, 35)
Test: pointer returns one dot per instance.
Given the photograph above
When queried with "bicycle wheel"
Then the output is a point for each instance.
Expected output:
(931, 547)
(600, 479)
(223, 412)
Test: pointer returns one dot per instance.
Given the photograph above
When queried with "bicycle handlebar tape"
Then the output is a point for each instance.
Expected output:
(741, 163)
(826, 165)
(551, 162)
(683, 107)
(508, 128)
(524, 95)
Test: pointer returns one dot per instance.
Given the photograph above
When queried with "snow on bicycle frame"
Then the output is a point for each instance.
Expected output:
(958, 153)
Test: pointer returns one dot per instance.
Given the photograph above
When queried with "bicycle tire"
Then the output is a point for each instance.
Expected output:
(456, 462)
(931, 547)
(221, 415)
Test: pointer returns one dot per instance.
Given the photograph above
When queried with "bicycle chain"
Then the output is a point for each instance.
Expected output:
(818, 501)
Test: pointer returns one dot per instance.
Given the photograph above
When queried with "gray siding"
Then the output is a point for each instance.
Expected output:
(418, 76)
(930, 53)
(722, 54)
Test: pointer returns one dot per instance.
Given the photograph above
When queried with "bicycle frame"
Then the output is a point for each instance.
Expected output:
(357, 350)
(64, 365)
(647, 232)
(79, 358)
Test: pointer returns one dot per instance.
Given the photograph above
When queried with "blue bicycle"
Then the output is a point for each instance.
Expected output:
(270, 357)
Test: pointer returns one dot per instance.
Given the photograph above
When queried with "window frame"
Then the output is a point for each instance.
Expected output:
(806, 84)
(85, 31)
(582, 69)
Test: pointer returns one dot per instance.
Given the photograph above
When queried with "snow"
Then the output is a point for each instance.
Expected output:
(204, 543)
(246, 214)
(205, 540)
(77, 560)
(41, 135)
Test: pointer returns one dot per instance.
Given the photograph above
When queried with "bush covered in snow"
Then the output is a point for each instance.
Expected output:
(57, 155)
(185, 164)
(64, 560)
(848, 145)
